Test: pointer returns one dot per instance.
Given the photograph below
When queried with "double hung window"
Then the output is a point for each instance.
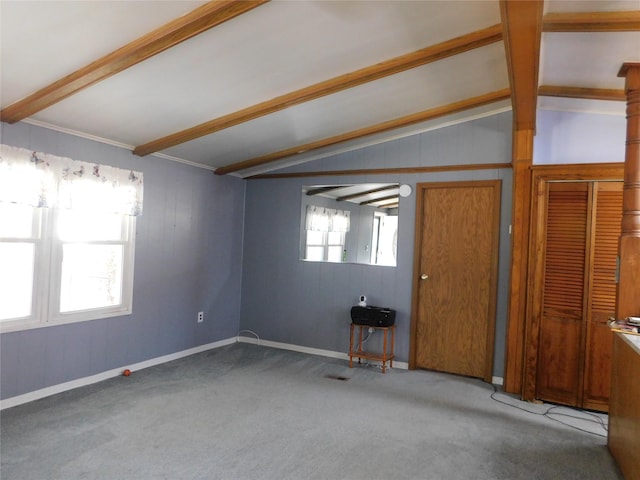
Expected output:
(66, 239)
(326, 231)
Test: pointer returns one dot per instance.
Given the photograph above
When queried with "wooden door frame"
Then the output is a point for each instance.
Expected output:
(421, 189)
(541, 176)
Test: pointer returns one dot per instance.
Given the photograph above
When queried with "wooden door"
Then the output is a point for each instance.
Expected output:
(455, 284)
(607, 220)
(581, 232)
(560, 362)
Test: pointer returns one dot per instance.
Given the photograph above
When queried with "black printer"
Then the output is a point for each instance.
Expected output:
(371, 316)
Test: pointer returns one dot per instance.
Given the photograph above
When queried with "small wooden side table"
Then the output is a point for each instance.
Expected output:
(387, 348)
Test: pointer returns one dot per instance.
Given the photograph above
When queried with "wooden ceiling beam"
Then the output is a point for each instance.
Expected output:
(390, 205)
(381, 199)
(182, 28)
(522, 24)
(373, 129)
(581, 92)
(383, 171)
(380, 70)
(321, 190)
(627, 21)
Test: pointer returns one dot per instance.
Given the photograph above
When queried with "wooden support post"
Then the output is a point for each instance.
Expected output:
(522, 30)
(628, 294)
(521, 204)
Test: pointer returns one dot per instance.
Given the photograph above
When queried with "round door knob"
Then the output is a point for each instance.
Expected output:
(424, 276)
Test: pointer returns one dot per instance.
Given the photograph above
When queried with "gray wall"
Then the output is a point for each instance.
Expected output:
(188, 257)
(575, 137)
(288, 300)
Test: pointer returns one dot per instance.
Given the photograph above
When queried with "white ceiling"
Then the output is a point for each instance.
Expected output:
(277, 48)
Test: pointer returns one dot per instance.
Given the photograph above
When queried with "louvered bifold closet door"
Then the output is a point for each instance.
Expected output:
(560, 355)
(607, 219)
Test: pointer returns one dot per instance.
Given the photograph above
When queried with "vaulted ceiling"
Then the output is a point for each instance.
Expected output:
(247, 87)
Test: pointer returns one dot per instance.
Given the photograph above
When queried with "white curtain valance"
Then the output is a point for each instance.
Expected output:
(44, 180)
(322, 219)
(339, 221)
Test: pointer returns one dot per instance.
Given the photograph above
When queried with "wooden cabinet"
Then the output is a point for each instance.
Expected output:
(624, 415)
(575, 239)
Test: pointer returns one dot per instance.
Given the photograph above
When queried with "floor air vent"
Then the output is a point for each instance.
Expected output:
(337, 377)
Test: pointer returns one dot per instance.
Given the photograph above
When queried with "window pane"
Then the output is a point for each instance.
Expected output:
(314, 237)
(78, 226)
(16, 221)
(315, 254)
(374, 239)
(335, 238)
(91, 276)
(335, 254)
(386, 254)
(16, 279)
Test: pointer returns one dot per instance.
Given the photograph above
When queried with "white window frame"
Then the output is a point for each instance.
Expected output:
(45, 306)
(325, 245)
(379, 219)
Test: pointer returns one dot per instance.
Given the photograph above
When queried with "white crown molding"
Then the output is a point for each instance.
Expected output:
(113, 143)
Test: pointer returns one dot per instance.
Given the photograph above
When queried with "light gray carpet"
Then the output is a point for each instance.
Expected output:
(251, 412)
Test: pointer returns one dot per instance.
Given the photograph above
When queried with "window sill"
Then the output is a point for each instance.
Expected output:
(19, 325)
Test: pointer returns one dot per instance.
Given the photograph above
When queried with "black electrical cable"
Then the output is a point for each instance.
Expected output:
(549, 412)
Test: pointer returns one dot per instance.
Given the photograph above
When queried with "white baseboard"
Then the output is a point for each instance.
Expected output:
(327, 353)
(309, 350)
(81, 382)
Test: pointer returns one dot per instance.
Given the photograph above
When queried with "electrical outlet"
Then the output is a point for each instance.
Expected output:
(200, 317)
